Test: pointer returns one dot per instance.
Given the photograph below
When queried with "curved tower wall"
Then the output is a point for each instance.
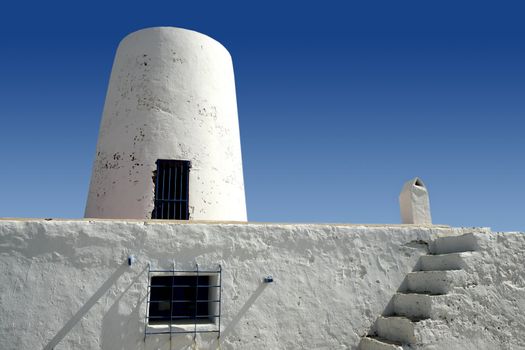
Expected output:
(171, 96)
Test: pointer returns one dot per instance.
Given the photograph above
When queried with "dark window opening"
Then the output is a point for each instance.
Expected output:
(171, 190)
(183, 299)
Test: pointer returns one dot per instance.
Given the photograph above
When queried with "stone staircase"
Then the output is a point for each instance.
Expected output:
(419, 307)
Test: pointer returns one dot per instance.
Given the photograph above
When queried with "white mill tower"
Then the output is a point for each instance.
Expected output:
(169, 145)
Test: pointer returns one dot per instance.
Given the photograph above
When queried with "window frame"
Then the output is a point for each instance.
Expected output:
(212, 308)
(171, 190)
(210, 324)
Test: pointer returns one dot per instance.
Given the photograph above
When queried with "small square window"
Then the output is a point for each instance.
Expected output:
(183, 299)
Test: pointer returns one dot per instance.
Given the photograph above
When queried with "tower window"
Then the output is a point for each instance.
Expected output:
(185, 299)
(171, 190)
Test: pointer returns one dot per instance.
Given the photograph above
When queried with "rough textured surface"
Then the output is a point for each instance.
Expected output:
(489, 312)
(446, 304)
(171, 95)
(68, 283)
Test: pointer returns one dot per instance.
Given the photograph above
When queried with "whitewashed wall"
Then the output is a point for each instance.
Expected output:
(489, 311)
(171, 95)
(65, 283)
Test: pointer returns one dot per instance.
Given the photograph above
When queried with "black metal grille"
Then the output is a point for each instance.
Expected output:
(183, 297)
(171, 190)
(186, 298)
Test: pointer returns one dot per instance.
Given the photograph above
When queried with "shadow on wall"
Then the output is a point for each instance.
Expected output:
(122, 321)
(243, 311)
(180, 341)
(86, 307)
(403, 287)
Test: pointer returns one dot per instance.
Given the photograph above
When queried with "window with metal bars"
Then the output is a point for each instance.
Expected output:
(183, 299)
(171, 190)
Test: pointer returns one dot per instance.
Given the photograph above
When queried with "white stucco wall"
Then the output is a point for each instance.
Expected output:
(67, 282)
(171, 95)
(489, 311)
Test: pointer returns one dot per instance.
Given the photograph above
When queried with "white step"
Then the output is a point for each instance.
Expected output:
(370, 343)
(425, 306)
(396, 328)
(454, 244)
(414, 306)
(435, 282)
(441, 262)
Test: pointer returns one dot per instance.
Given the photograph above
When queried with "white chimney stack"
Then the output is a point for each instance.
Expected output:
(414, 203)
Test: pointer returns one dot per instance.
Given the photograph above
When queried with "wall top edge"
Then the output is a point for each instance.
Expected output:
(211, 222)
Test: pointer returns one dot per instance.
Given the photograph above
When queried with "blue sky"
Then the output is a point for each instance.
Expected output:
(339, 104)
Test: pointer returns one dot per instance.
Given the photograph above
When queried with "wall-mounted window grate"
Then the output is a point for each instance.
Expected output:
(179, 298)
(190, 299)
(171, 190)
